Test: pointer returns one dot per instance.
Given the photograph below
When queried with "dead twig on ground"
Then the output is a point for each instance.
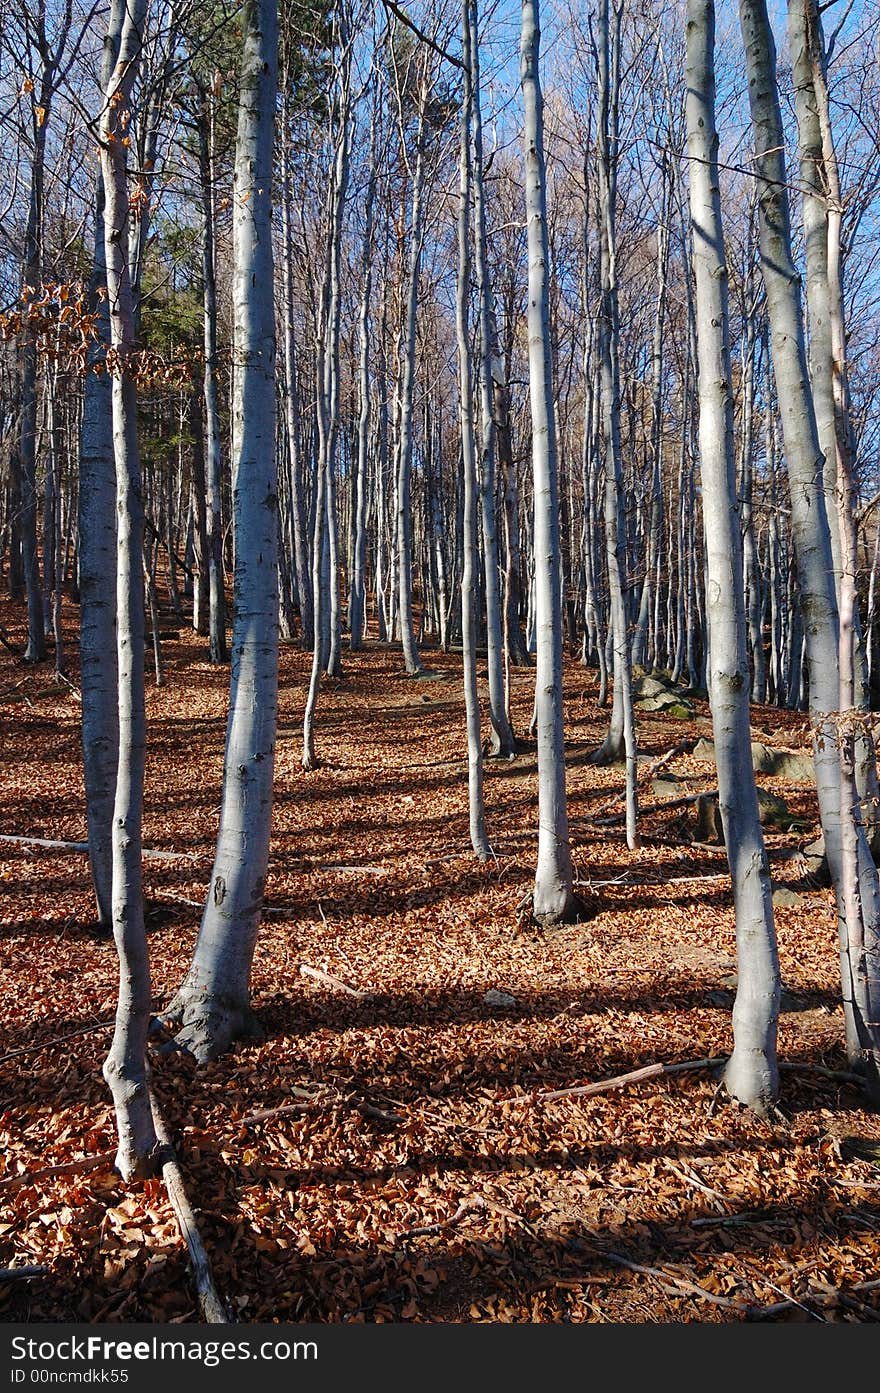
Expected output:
(22, 1274)
(210, 1305)
(80, 1167)
(330, 981)
(54, 845)
(649, 1071)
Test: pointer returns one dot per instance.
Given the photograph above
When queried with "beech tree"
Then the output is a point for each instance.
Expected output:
(852, 868)
(752, 1075)
(553, 898)
(125, 1067)
(212, 1005)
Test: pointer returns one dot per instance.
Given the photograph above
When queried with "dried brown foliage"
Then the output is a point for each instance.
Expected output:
(528, 1209)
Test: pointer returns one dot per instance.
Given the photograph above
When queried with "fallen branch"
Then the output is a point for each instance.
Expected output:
(212, 1309)
(467, 1207)
(21, 1274)
(311, 1101)
(356, 870)
(839, 1075)
(683, 747)
(80, 1167)
(680, 1283)
(368, 1110)
(482, 1203)
(650, 808)
(649, 1071)
(330, 981)
(84, 846)
(59, 1040)
(266, 1113)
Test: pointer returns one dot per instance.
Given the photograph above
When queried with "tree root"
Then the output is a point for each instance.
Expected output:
(206, 1029)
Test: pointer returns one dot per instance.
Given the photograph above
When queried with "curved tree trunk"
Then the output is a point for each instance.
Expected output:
(852, 868)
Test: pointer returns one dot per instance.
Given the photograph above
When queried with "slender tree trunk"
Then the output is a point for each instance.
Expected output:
(554, 898)
(502, 742)
(358, 596)
(752, 1075)
(35, 651)
(125, 1068)
(479, 840)
(96, 547)
(846, 846)
(621, 738)
(406, 395)
(213, 1002)
(213, 524)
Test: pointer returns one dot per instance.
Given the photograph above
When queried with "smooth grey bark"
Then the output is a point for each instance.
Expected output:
(845, 839)
(212, 1004)
(823, 211)
(35, 650)
(217, 650)
(644, 643)
(198, 519)
(553, 897)
(751, 562)
(502, 743)
(752, 1075)
(470, 554)
(406, 394)
(514, 642)
(298, 505)
(621, 737)
(125, 1068)
(325, 585)
(96, 551)
(357, 595)
(821, 193)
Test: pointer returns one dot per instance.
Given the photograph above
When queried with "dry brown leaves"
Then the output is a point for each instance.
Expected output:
(309, 1215)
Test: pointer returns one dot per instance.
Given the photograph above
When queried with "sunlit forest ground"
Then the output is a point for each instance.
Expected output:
(416, 1173)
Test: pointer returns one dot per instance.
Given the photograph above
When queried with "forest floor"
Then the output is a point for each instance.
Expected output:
(535, 1209)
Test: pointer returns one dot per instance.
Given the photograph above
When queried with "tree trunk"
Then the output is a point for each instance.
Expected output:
(621, 738)
(213, 526)
(125, 1068)
(502, 743)
(553, 899)
(752, 1076)
(213, 1003)
(858, 914)
(470, 559)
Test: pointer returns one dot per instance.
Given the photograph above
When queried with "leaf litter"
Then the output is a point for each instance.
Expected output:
(383, 1155)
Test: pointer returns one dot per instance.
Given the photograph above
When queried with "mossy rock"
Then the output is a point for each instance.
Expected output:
(680, 711)
(783, 898)
(772, 810)
(669, 704)
(794, 767)
(666, 786)
(816, 862)
(650, 687)
(763, 758)
(709, 828)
